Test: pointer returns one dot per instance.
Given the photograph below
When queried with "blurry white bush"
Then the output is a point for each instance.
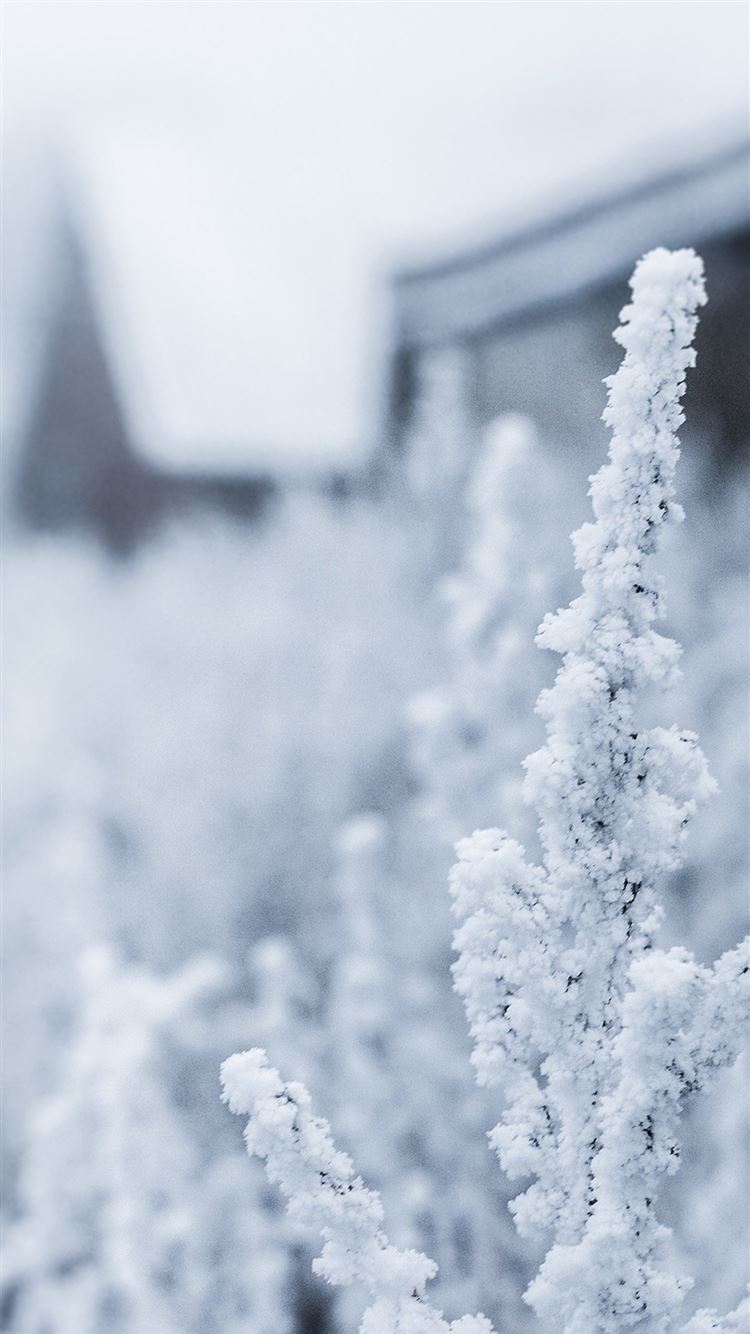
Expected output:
(592, 1038)
(124, 1224)
(470, 734)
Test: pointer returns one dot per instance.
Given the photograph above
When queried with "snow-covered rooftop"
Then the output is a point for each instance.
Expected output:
(554, 255)
(248, 176)
(228, 339)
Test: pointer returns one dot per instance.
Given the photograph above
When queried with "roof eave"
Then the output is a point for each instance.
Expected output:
(554, 258)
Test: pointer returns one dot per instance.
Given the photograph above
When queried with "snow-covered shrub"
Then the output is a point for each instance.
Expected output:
(325, 1195)
(285, 1017)
(54, 847)
(233, 695)
(468, 737)
(394, 1052)
(282, 1015)
(594, 1036)
(118, 1215)
(183, 735)
(360, 1030)
(362, 1084)
(470, 734)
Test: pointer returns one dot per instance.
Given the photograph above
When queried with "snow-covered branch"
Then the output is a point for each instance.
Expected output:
(325, 1195)
(564, 996)
(681, 1022)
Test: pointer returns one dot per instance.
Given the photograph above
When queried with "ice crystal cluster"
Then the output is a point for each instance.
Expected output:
(325, 1195)
(592, 1035)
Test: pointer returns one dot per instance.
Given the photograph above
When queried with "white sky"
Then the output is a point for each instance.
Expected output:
(256, 168)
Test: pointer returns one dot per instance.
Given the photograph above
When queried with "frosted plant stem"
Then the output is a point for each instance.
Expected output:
(325, 1195)
(556, 964)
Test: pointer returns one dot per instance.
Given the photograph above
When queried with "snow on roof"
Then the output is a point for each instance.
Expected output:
(231, 344)
(215, 311)
(561, 252)
(249, 174)
(238, 342)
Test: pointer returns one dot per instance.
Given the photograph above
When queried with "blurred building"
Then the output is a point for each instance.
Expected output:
(145, 379)
(79, 465)
(529, 315)
(521, 323)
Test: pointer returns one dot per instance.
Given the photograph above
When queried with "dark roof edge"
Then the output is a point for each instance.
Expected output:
(525, 237)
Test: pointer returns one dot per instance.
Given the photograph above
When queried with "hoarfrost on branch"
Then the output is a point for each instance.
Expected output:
(593, 1035)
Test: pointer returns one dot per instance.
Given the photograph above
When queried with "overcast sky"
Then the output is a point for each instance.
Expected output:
(364, 132)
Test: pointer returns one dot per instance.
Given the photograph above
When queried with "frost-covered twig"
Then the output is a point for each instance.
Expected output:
(562, 993)
(680, 1023)
(325, 1195)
